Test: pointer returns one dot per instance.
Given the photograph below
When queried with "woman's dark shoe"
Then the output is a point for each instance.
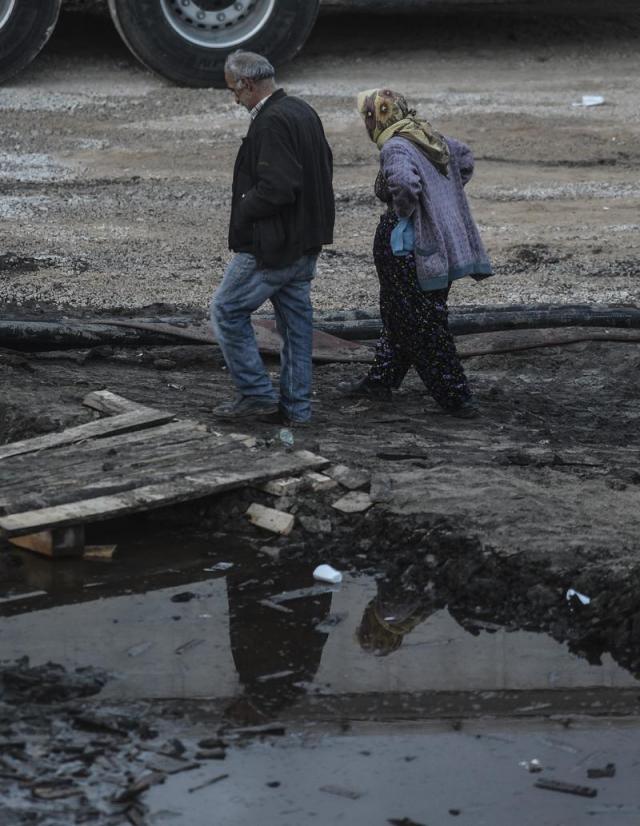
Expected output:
(363, 388)
(467, 410)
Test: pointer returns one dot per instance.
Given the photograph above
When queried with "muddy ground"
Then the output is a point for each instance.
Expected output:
(114, 200)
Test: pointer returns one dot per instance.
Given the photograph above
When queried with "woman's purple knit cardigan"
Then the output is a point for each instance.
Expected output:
(448, 244)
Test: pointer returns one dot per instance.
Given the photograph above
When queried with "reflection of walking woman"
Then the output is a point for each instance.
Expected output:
(425, 240)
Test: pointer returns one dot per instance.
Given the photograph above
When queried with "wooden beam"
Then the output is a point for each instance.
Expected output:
(123, 423)
(160, 495)
(59, 542)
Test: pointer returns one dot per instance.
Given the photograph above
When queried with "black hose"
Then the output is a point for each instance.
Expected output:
(59, 335)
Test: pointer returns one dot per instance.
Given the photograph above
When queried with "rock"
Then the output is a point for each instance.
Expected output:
(349, 477)
(270, 519)
(283, 487)
(354, 502)
(318, 481)
(312, 524)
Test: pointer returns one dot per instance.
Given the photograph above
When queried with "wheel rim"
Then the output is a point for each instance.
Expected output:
(215, 24)
(6, 7)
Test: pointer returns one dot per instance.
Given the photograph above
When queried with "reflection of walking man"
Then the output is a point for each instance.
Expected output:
(282, 213)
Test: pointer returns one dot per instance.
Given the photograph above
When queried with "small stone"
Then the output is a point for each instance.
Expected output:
(349, 477)
(283, 487)
(354, 502)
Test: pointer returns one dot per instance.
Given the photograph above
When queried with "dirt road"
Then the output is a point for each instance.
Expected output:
(115, 185)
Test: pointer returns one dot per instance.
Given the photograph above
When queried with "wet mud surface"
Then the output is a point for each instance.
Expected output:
(452, 628)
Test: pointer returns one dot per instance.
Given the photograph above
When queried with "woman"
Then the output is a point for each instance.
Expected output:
(426, 239)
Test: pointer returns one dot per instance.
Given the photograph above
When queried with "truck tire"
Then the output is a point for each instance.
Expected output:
(187, 41)
(25, 27)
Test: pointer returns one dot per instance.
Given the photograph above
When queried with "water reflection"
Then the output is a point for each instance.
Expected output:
(263, 638)
(276, 646)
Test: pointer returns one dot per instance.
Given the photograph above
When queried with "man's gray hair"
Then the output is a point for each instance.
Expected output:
(249, 65)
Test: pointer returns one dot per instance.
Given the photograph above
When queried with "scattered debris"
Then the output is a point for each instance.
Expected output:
(219, 566)
(608, 771)
(213, 780)
(137, 650)
(341, 792)
(99, 553)
(270, 604)
(534, 766)
(184, 596)
(585, 600)
(270, 519)
(188, 646)
(567, 788)
(302, 593)
(354, 502)
(405, 821)
(590, 100)
(325, 573)
(211, 754)
(273, 729)
(28, 595)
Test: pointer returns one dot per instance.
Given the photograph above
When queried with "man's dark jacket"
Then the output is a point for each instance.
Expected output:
(282, 205)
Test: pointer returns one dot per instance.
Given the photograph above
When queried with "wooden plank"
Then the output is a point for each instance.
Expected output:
(133, 420)
(86, 481)
(104, 401)
(267, 467)
(32, 472)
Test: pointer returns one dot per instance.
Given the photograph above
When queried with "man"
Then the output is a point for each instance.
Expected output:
(282, 213)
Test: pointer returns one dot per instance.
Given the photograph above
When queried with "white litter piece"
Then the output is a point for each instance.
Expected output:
(271, 519)
(590, 100)
(325, 573)
(585, 600)
(219, 566)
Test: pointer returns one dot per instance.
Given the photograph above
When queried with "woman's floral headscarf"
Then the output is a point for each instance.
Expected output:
(387, 114)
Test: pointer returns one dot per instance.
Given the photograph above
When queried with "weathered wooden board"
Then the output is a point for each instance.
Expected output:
(50, 477)
(191, 486)
(133, 420)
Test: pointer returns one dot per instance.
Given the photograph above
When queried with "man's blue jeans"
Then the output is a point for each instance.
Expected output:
(243, 289)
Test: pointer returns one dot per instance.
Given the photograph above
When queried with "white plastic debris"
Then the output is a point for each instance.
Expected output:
(325, 573)
(585, 600)
(590, 100)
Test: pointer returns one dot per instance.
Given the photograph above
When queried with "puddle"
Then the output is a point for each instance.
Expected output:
(194, 622)
(391, 709)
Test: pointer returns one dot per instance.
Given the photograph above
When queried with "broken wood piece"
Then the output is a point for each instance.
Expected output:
(271, 519)
(350, 478)
(99, 553)
(567, 788)
(319, 481)
(283, 487)
(354, 502)
(56, 543)
(122, 423)
(104, 401)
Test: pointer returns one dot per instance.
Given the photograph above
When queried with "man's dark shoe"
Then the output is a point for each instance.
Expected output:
(283, 420)
(467, 410)
(364, 389)
(245, 407)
